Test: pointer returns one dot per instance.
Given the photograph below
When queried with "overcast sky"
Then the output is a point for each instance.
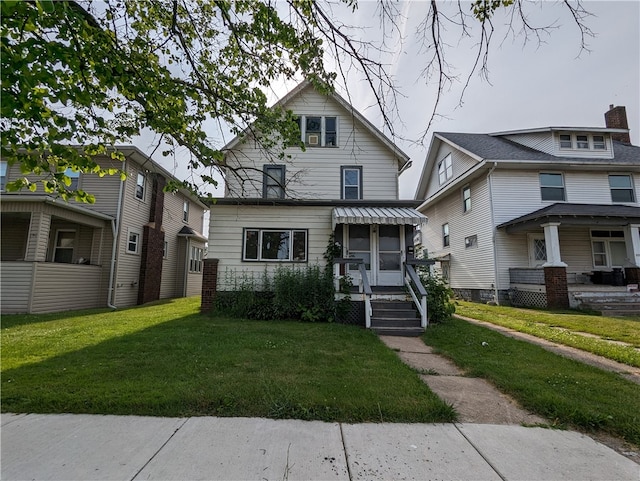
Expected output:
(530, 85)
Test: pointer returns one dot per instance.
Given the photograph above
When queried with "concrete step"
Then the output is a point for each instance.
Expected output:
(392, 331)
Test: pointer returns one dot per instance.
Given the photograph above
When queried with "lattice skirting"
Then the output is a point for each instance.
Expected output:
(355, 316)
(522, 298)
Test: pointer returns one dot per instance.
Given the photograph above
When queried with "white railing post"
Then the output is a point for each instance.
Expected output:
(424, 320)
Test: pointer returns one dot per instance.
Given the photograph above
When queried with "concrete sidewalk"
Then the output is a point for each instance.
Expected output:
(89, 447)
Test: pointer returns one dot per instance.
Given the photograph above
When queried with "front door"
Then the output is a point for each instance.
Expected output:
(380, 246)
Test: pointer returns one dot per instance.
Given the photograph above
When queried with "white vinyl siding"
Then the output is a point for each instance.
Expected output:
(542, 141)
(315, 173)
(15, 278)
(460, 163)
(469, 268)
(226, 235)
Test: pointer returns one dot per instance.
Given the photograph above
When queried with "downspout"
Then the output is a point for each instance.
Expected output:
(493, 236)
(115, 230)
(186, 268)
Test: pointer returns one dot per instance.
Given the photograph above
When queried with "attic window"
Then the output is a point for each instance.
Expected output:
(318, 131)
(445, 169)
(598, 142)
(582, 141)
(565, 141)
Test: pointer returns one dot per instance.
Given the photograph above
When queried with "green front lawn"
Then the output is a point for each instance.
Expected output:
(565, 328)
(564, 391)
(167, 359)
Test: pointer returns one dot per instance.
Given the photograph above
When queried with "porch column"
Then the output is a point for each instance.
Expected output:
(555, 271)
(209, 284)
(38, 240)
(552, 244)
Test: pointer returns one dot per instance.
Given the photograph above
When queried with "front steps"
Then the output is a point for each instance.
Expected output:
(395, 318)
(615, 304)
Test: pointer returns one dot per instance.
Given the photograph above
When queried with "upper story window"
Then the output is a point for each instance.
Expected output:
(445, 169)
(133, 242)
(552, 187)
(140, 185)
(165, 250)
(273, 182)
(351, 182)
(621, 188)
(319, 131)
(445, 235)
(74, 176)
(3, 175)
(466, 199)
(582, 142)
(185, 211)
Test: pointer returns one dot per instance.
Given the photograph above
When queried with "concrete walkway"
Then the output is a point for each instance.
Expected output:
(89, 447)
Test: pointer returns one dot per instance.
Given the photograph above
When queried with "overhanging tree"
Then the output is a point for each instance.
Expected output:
(95, 74)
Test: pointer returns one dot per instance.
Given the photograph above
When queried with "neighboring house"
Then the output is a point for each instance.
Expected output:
(59, 255)
(536, 216)
(283, 211)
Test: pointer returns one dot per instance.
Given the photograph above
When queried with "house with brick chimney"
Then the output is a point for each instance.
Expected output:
(134, 245)
(545, 217)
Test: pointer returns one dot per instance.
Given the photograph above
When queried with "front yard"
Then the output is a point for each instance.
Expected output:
(168, 360)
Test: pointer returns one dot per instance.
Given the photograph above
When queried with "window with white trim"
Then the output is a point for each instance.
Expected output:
(74, 176)
(621, 188)
(3, 175)
(318, 131)
(471, 241)
(141, 181)
(274, 245)
(582, 141)
(195, 259)
(445, 169)
(565, 141)
(65, 242)
(445, 235)
(608, 248)
(351, 182)
(185, 211)
(466, 199)
(552, 186)
(599, 142)
(133, 242)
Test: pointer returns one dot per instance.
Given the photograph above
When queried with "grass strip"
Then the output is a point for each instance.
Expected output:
(558, 327)
(563, 390)
(168, 360)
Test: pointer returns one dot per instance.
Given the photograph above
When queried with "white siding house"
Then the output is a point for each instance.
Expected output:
(60, 255)
(513, 204)
(345, 183)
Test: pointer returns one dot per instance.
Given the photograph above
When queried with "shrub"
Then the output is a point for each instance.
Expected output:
(439, 296)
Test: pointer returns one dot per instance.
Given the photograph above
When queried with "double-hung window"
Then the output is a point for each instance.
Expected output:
(565, 141)
(621, 188)
(608, 247)
(65, 242)
(133, 242)
(195, 259)
(318, 131)
(3, 175)
(445, 169)
(351, 182)
(582, 141)
(445, 235)
(273, 182)
(185, 211)
(140, 185)
(599, 142)
(466, 199)
(275, 245)
(552, 187)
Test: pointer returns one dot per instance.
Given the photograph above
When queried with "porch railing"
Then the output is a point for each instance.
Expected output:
(416, 289)
(364, 286)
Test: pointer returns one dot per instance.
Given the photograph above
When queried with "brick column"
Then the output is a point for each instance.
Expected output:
(209, 284)
(555, 281)
(152, 246)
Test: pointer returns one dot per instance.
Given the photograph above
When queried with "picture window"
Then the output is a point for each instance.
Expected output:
(275, 245)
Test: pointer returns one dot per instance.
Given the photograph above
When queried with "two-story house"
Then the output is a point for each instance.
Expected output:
(135, 244)
(283, 211)
(536, 217)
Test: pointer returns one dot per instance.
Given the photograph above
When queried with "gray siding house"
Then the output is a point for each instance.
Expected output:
(345, 183)
(545, 216)
(135, 244)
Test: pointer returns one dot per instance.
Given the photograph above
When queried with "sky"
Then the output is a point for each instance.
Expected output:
(530, 85)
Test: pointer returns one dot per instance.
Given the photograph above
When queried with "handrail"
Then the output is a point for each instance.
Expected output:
(421, 304)
(366, 287)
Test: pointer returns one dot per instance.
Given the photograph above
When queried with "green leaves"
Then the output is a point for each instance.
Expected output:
(96, 75)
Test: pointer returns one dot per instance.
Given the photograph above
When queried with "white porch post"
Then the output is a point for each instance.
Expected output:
(552, 244)
(633, 245)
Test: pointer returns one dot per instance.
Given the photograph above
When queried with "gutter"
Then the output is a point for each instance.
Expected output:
(115, 230)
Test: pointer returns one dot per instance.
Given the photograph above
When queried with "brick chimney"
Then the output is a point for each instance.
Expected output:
(616, 118)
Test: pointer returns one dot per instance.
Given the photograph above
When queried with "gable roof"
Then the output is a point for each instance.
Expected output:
(403, 158)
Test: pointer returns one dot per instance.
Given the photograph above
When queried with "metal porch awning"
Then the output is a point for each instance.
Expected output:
(377, 215)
